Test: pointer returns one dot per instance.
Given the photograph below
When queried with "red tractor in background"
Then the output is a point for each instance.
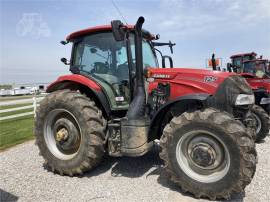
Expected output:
(256, 71)
(117, 101)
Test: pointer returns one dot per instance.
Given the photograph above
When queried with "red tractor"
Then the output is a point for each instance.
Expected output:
(256, 71)
(117, 101)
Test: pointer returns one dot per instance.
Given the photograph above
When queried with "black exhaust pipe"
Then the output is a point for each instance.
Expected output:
(213, 60)
(137, 106)
(134, 129)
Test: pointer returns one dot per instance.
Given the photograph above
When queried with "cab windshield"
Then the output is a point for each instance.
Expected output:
(257, 68)
(105, 60)
(238, 62)
(101, 54)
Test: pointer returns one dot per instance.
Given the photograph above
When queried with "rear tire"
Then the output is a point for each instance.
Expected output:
(78, 147)
(216, 156)
(263, 122)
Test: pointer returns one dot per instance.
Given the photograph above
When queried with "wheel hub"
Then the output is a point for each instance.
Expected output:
(66, 135)
(61, 135)
(203, 155)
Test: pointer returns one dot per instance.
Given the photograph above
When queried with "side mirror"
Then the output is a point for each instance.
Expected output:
(65, 61)
(164, 61)
(117, 30)
(229, 67)
(64, 42)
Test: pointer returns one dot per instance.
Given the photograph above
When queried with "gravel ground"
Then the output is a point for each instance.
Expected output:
(23, 178)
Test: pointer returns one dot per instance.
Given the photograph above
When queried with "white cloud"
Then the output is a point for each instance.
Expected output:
(196, 17)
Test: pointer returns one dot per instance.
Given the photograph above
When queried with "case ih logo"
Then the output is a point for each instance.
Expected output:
(209, 79)
(161, 76)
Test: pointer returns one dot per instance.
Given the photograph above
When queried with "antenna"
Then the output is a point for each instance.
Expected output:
(118, 10)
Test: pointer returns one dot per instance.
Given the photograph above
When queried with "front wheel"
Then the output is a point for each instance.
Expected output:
(262, 122)
(70, 132)
(208, 153)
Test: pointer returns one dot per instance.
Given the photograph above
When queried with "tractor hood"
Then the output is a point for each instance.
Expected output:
(223, 88)
(198, 80)
(258, 83)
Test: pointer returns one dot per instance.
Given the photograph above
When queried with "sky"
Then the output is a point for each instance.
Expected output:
(30, 31)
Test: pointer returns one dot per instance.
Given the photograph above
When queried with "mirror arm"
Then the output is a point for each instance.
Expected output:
(163, 61)
(158, 52)
(170, 44)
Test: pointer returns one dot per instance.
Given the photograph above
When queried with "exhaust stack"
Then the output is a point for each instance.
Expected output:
(134, 127)
(137, 106)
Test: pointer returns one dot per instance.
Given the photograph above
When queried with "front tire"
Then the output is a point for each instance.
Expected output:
(208, 154)
(262, 122)
(70, 132)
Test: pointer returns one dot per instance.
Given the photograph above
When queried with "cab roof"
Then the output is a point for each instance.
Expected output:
(243, 54)
(256, 60)
(102, 28)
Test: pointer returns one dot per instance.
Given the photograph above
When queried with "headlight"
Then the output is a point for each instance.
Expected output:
(244, 99)
(265, 100)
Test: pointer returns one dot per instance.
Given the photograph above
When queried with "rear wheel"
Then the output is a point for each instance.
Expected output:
(262, 122)
(70, 132)
(208, 153)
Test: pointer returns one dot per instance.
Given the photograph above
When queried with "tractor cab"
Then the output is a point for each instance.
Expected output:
(247, 64)
(97, 55)
(257, 67)
(237, 61)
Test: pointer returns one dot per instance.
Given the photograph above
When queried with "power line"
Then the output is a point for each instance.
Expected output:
(118, 10)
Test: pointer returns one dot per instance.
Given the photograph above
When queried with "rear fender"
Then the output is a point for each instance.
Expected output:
(86, 86)
(174, 107)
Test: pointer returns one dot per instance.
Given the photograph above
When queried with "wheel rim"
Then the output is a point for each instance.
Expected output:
(62, 134)
(203, 156)
(258, 123)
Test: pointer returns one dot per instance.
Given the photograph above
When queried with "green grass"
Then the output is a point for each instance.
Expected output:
(14, 106)
(5, 86)
(15, 112)
(16, 131)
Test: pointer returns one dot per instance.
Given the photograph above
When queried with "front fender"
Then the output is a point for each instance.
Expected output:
(74, 78)
(86, 86)
(181, 104)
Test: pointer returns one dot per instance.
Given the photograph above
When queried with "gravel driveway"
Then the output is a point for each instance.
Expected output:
(23, 178)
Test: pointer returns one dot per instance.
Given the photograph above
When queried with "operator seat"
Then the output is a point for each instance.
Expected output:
(100, 68)
(122, 72)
